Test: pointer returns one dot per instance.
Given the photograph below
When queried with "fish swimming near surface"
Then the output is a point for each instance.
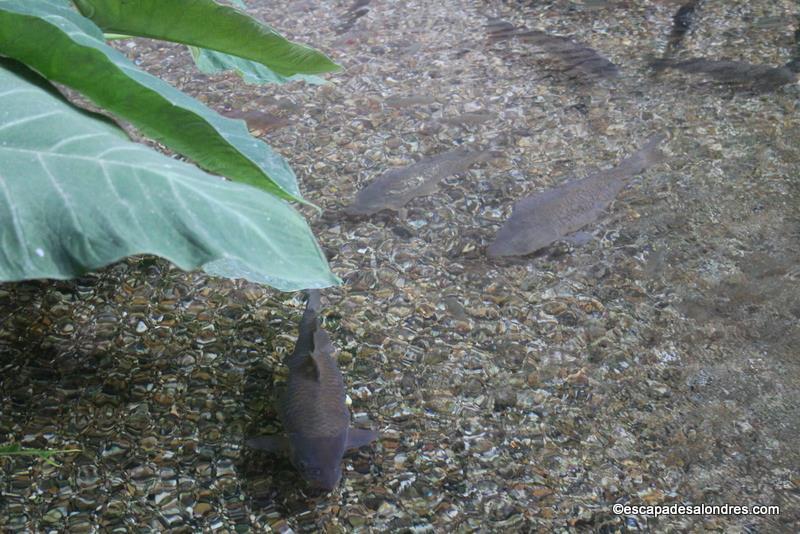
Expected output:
(395, 188)
(542, 218)
(576, 59)
(760, 78)
(313, 410)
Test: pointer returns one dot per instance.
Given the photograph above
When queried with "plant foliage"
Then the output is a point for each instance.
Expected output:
(77, 194)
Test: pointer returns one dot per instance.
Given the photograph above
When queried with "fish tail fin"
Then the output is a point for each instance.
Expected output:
(313, 306)
(309, 324)
(313, 302)
(650, 153)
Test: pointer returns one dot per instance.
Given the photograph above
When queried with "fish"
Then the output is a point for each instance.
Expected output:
(313, 410)
(396, 187)
(410, 101)
(356, 11)
(682, 22)
(794, 63)
(540, 219)
(761, 78)
(576, 59)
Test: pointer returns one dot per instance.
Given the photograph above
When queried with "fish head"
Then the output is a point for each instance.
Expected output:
(511, 240)
(319, 459)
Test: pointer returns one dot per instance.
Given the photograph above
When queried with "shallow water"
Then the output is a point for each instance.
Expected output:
(655, 364)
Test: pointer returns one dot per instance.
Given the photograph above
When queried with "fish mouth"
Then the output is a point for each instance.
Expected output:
(499, 248)
(324, 485)
(494, 251)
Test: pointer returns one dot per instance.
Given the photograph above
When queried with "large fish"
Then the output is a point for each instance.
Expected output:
(575, 58)
(396, 187)
(315, 417)
(762, 78)
(542, 218)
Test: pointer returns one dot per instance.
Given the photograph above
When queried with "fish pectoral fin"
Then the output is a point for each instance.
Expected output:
(358, 437)
(276, 443)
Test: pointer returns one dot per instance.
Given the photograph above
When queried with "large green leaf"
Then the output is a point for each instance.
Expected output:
(211, 62)
(206, 24)
(56, 41)
(77, 194)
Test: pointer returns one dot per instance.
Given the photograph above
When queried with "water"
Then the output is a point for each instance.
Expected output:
(656, 363)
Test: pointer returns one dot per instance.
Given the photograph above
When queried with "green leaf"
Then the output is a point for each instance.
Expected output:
(212, 62)
(56, 41)
(15, 449)
(76, 194)
(206, 24)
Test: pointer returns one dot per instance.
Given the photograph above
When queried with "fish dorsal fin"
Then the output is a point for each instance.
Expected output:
(358, 437)
(323, 351)
(310, 369)
(314, 364)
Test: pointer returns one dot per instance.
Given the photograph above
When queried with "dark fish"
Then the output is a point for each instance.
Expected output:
(760, 78)
(356, 11)
(576, 59)
(794, 64)
(542, 218)
(394, 188)
(498, 26)
(682, 22)
(358, 4)
(313, 409)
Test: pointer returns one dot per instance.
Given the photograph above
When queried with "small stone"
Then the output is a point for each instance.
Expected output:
(578, 378)
(506, 397)
(53, 516)
(525, 142)
(387, 509)
(356, 521)
(149, 443)
(533, 379)
(202, 508)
